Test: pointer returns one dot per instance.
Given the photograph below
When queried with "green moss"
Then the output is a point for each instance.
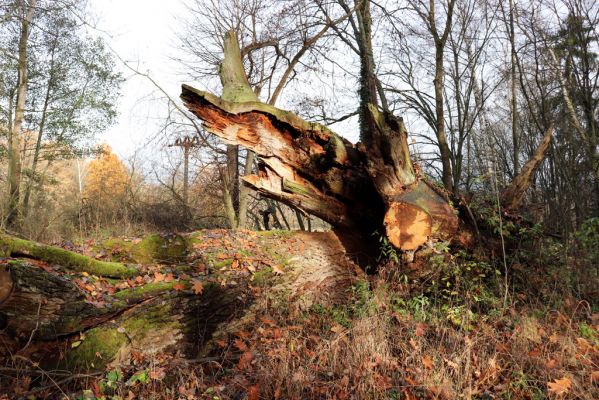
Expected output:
(143, 292)
(11, 246)
(275, 233)
(261, 277)
(99, 347)
(152, 248)
(150, 325)
(223, 263)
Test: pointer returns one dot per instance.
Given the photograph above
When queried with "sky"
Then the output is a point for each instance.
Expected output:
(141, 33)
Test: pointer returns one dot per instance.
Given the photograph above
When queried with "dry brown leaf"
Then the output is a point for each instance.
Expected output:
(245, 360)
(594, 377)
(559, 386)
(158, 277)
(240, 344)
(157, 373)
(277, 269)
(169, 277)
(420, 329)
(267, 321)
(254, 392)
(178, 286)
(197, 287)
(235, 264)
(427, 362)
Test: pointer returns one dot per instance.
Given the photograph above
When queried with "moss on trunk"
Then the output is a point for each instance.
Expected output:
(152, 248)
(13, 246)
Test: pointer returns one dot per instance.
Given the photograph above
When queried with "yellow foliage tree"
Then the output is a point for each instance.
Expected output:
(106, 184)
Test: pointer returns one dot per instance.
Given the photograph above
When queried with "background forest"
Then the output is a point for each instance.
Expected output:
(480, 84)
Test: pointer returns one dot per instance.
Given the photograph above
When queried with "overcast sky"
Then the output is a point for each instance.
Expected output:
(141, 32)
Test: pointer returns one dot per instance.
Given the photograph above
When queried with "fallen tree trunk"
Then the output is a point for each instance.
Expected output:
(358, 189)
(79, 322)
(11, 246)
(306, 165)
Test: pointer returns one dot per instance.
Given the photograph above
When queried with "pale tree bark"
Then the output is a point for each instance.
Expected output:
(428, 17)
(513, 92)
(14, 163)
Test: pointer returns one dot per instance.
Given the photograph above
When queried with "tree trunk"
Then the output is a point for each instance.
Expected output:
(357, 189)
(14, 151)
(59, 314)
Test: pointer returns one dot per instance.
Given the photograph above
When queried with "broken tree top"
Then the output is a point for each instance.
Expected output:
(359, 188)
(307, 165)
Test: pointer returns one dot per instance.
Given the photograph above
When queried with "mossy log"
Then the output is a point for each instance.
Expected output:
(153, 248)
(12, 246)
(356, 188)
(40, 306)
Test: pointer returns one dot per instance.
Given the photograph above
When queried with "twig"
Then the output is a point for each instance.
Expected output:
(37, 324)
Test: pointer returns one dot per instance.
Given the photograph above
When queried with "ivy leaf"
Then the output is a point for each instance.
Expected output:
(141, 377)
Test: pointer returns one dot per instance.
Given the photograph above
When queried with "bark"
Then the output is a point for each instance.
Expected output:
(48, 310)
(14, 164)
(357, 189)
(513, 194)
(42, 306)
(514, 104)
(11, 246)
(440, 41)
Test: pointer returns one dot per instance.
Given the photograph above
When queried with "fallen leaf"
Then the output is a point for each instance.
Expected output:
(267, 321)
(551, 363)
(197, 287)
(158, 277)
(594, 377)
(240, 344)
(169, 277)
(427, 362)
(157, 373)
(178, 286)
(254, 392)
(420, 329)
(277, 270)
(559, 386)
(75, 344)
(139, 279)
(235, 264)
(245, 360)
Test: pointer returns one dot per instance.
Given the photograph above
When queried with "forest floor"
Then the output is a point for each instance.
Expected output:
(310, 324)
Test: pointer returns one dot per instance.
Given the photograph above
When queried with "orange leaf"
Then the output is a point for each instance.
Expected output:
(559, 386)
(277, 270)
(267, 321)
(420, 329)
(157, 373)
(253, 392)
(235, 264)
(158, 277)
(245, 360)
(169, 277)
(178, 286)
(197, 287)
(240, 344)
(427, 362)
(551, 363)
